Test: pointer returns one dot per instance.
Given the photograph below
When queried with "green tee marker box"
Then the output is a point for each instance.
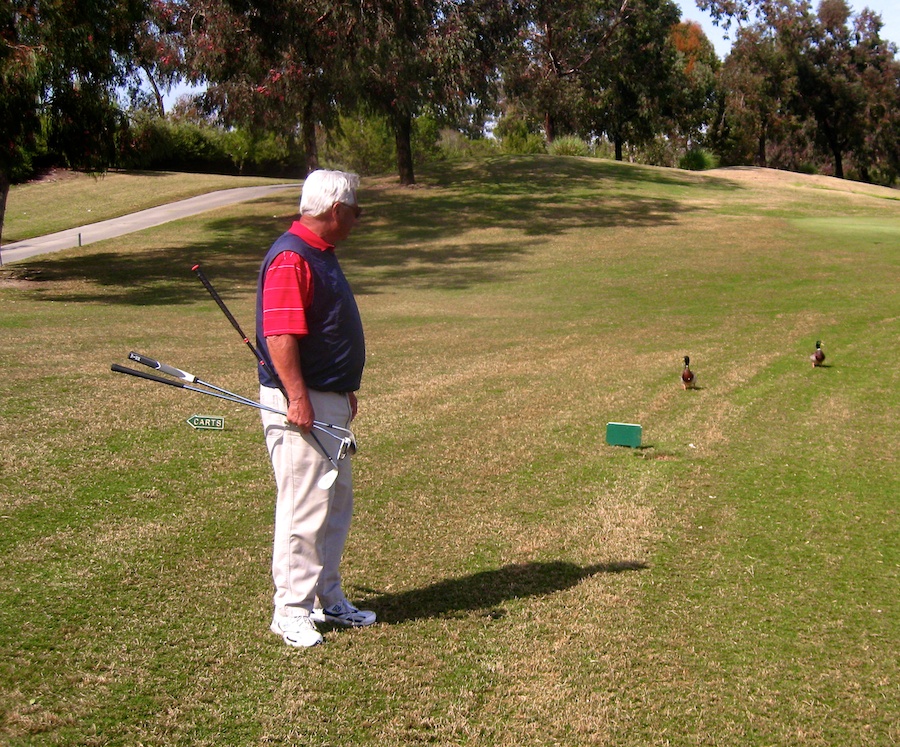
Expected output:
(623, 434)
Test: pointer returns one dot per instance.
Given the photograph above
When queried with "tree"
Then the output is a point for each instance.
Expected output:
(799, 66)
(60, 66)
(632, 88)
(558, 43)
(828, 89)
(878, 157)
(277, 66)
(597, 67)
(293, 65)
(158, 54)
(696, 96)
(437, 54)
(757, 80)
(844, 81)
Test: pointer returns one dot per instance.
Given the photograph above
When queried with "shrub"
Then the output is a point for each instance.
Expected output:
(360, 143)
(426, 137)
(660, 151)
(453, 144)
(156, 143)
(698, 159)
(259, 154)
(517, 137)
(569, 145)
(366, 144)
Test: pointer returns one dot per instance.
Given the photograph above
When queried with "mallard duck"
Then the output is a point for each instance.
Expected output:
(818, 356)
(688, 379)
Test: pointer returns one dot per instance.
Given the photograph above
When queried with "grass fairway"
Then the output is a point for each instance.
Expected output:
(732, 582)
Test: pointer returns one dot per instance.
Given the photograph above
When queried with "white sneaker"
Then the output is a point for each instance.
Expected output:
(344, 613)
(296, 630)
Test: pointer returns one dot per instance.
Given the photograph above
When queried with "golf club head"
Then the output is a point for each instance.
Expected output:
(348, 446)
(327, 480)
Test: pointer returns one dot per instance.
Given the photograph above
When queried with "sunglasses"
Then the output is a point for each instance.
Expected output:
(357, 210)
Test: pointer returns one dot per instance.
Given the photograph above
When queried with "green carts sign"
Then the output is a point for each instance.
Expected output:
(206, 423)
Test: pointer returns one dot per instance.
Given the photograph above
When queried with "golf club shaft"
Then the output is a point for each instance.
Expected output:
(234, 323)
(183, 375)
(227, 396)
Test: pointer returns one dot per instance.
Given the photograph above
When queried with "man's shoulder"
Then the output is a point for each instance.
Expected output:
(287, 242)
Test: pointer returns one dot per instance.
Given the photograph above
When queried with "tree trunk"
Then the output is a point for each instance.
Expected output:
(403, 137)
(761, 159)
(310, 146)
(617, 141)
(549, 127)
(4, 193)
(834, 145)
(838, 162)
(160, 104)
(761, 150)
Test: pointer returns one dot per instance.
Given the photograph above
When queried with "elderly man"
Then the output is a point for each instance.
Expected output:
(310, 336)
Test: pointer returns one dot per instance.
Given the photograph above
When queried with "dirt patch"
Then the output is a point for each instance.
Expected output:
(19, 277)
(52, 174)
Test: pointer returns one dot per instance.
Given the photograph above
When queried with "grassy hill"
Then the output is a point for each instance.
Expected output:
(732, 582)
(65, 199)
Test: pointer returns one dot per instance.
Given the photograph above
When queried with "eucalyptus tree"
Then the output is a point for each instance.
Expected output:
(632, 89)
(61, 64)
(275, 66)
(159, 55)
(757, 80)
(847, 82)
(697, 96)
(828, 66)
(439, 55)
(291, 65)
(559, 45)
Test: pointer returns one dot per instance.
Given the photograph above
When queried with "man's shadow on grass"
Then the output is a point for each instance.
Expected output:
(486, 590)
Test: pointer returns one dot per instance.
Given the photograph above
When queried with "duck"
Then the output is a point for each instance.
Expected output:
(818, 355)
(688, 379)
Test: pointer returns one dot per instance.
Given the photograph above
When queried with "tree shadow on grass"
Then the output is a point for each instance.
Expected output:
(487, 590)
(426, 237)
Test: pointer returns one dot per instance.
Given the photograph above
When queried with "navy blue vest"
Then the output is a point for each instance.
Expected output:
(333, 354)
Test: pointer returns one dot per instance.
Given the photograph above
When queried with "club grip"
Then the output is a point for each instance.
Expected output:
(141, 375)
(171, 370)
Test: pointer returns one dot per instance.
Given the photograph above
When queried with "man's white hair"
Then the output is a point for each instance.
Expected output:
(324, 188)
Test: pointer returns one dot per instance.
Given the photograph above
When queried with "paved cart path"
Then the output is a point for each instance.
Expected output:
(113, 227)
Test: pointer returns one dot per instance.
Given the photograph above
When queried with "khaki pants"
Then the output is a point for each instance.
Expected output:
(311, 525)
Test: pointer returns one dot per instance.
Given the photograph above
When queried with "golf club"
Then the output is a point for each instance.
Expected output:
(234, 323)
(259, 359)
(177, 373)
(228, 397)
(326, 428)
(347, 443)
